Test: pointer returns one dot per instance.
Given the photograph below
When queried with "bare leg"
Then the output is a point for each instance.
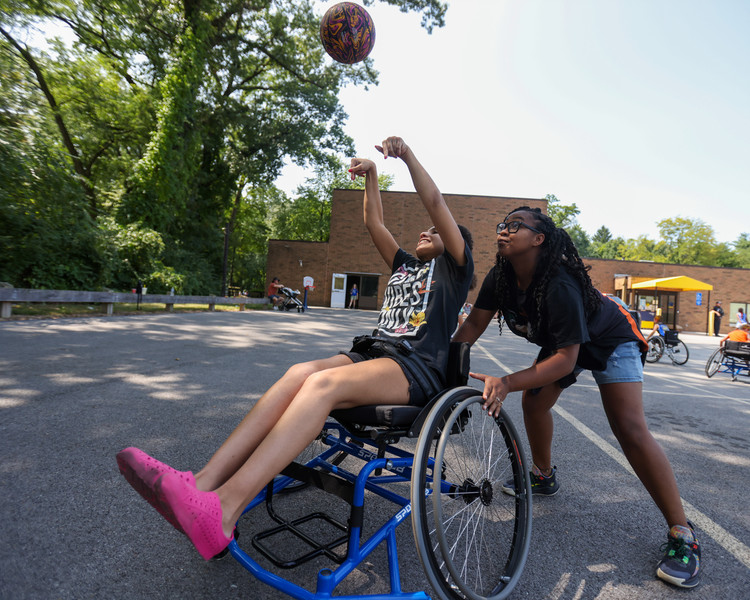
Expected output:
(259, 421)
(537, 416)
(372, 382)
(623, 403)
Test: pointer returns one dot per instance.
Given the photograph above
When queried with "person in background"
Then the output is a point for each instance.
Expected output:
(465, 312)
(273, 295)
(659, 328)
(718, 313)
(737, 335)
(353, 296)
(741, 317)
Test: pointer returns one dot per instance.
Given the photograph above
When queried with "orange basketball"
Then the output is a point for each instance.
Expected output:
(347, 32)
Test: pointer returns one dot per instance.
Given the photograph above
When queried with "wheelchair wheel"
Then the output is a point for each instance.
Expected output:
(714, 362)
(679, 353)
(655, 349)
(472, 538)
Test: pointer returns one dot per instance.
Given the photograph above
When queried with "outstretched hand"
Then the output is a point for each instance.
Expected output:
(495, 391)
(393, 146)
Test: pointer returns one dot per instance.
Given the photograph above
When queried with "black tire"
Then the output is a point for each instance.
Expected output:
(679, 353)
(714, 362)
(655, 349)
(474, 464)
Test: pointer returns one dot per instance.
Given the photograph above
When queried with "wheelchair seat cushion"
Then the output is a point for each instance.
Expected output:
(389, 415)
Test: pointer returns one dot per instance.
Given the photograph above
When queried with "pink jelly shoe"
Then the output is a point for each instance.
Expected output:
(198, 513)
(142, 471)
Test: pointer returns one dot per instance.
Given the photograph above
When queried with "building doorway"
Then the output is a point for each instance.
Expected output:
(657, 303)
(367, 284)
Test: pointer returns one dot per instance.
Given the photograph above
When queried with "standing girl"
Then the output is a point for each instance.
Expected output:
(544, 293)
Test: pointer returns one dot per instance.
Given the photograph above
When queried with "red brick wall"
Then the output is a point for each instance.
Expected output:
(730, 285)
(351, 249)
(283, 261)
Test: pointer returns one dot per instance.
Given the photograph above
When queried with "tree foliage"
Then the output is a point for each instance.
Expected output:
(146, 147)
(145, 144)
(308, 216)
(564, 215)
(681, 241)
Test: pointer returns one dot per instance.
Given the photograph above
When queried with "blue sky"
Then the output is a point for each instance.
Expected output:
(634, 110)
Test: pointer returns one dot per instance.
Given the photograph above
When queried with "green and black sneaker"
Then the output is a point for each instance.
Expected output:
(681, 563)
(541, 485)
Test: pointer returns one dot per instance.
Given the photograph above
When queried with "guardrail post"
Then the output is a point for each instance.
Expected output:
(6, 309)
(108, 307)
(212, 304)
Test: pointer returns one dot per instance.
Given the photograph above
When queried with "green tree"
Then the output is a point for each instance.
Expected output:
(564, 215)
(741, 250)
(308, 215)
(688, 241)
(580, 240)
(640, 248)
(602, 235)
(167, 112)
(47, 237)
(247, 244)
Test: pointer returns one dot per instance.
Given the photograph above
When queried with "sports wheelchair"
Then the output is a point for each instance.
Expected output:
(671, 345)
(732, 358)
(472, 539)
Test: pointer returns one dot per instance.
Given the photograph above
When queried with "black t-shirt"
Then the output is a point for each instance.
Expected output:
(421, 293)
(719, 310)
(563, 319)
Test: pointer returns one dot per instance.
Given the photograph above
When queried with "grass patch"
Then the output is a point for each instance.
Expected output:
(53, 310)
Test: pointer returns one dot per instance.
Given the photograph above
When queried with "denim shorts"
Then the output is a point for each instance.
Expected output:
(623, 365)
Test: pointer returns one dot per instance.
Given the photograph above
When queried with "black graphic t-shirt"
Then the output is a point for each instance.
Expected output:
(564, 321)
(421, 293)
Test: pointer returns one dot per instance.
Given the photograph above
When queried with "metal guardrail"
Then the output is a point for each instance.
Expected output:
(108, 299)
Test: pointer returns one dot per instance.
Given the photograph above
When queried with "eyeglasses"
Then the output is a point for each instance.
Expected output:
(514, 226)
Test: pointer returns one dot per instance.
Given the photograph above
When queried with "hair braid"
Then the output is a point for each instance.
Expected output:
(556, 250)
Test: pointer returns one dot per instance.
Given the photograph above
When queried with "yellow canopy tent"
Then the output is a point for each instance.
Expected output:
(681, 283)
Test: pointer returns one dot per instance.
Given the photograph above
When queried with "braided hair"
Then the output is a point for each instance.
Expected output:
(557, 249)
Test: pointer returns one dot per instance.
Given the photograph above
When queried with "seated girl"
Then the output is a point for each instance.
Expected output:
(422, 299)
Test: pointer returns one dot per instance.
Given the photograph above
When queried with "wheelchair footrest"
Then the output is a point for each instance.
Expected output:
(317, 548)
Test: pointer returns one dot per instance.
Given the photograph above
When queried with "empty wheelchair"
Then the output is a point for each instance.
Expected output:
(732, 358)
(471, 539)
(671, 345)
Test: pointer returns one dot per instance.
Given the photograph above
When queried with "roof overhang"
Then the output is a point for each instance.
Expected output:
(680, 283)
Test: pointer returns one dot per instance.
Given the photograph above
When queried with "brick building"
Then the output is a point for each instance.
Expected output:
(349, 257)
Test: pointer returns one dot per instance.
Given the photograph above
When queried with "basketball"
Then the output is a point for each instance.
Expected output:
(347, 32)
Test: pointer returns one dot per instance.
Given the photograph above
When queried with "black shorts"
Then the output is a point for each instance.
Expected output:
(417, 396)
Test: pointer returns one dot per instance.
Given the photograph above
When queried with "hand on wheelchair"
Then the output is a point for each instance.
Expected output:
(495, 391)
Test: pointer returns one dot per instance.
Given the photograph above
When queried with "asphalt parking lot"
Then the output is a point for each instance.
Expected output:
(73, 392)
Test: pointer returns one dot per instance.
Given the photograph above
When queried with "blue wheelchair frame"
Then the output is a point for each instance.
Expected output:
(732, 358)
(400, 464)
(445, 421)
